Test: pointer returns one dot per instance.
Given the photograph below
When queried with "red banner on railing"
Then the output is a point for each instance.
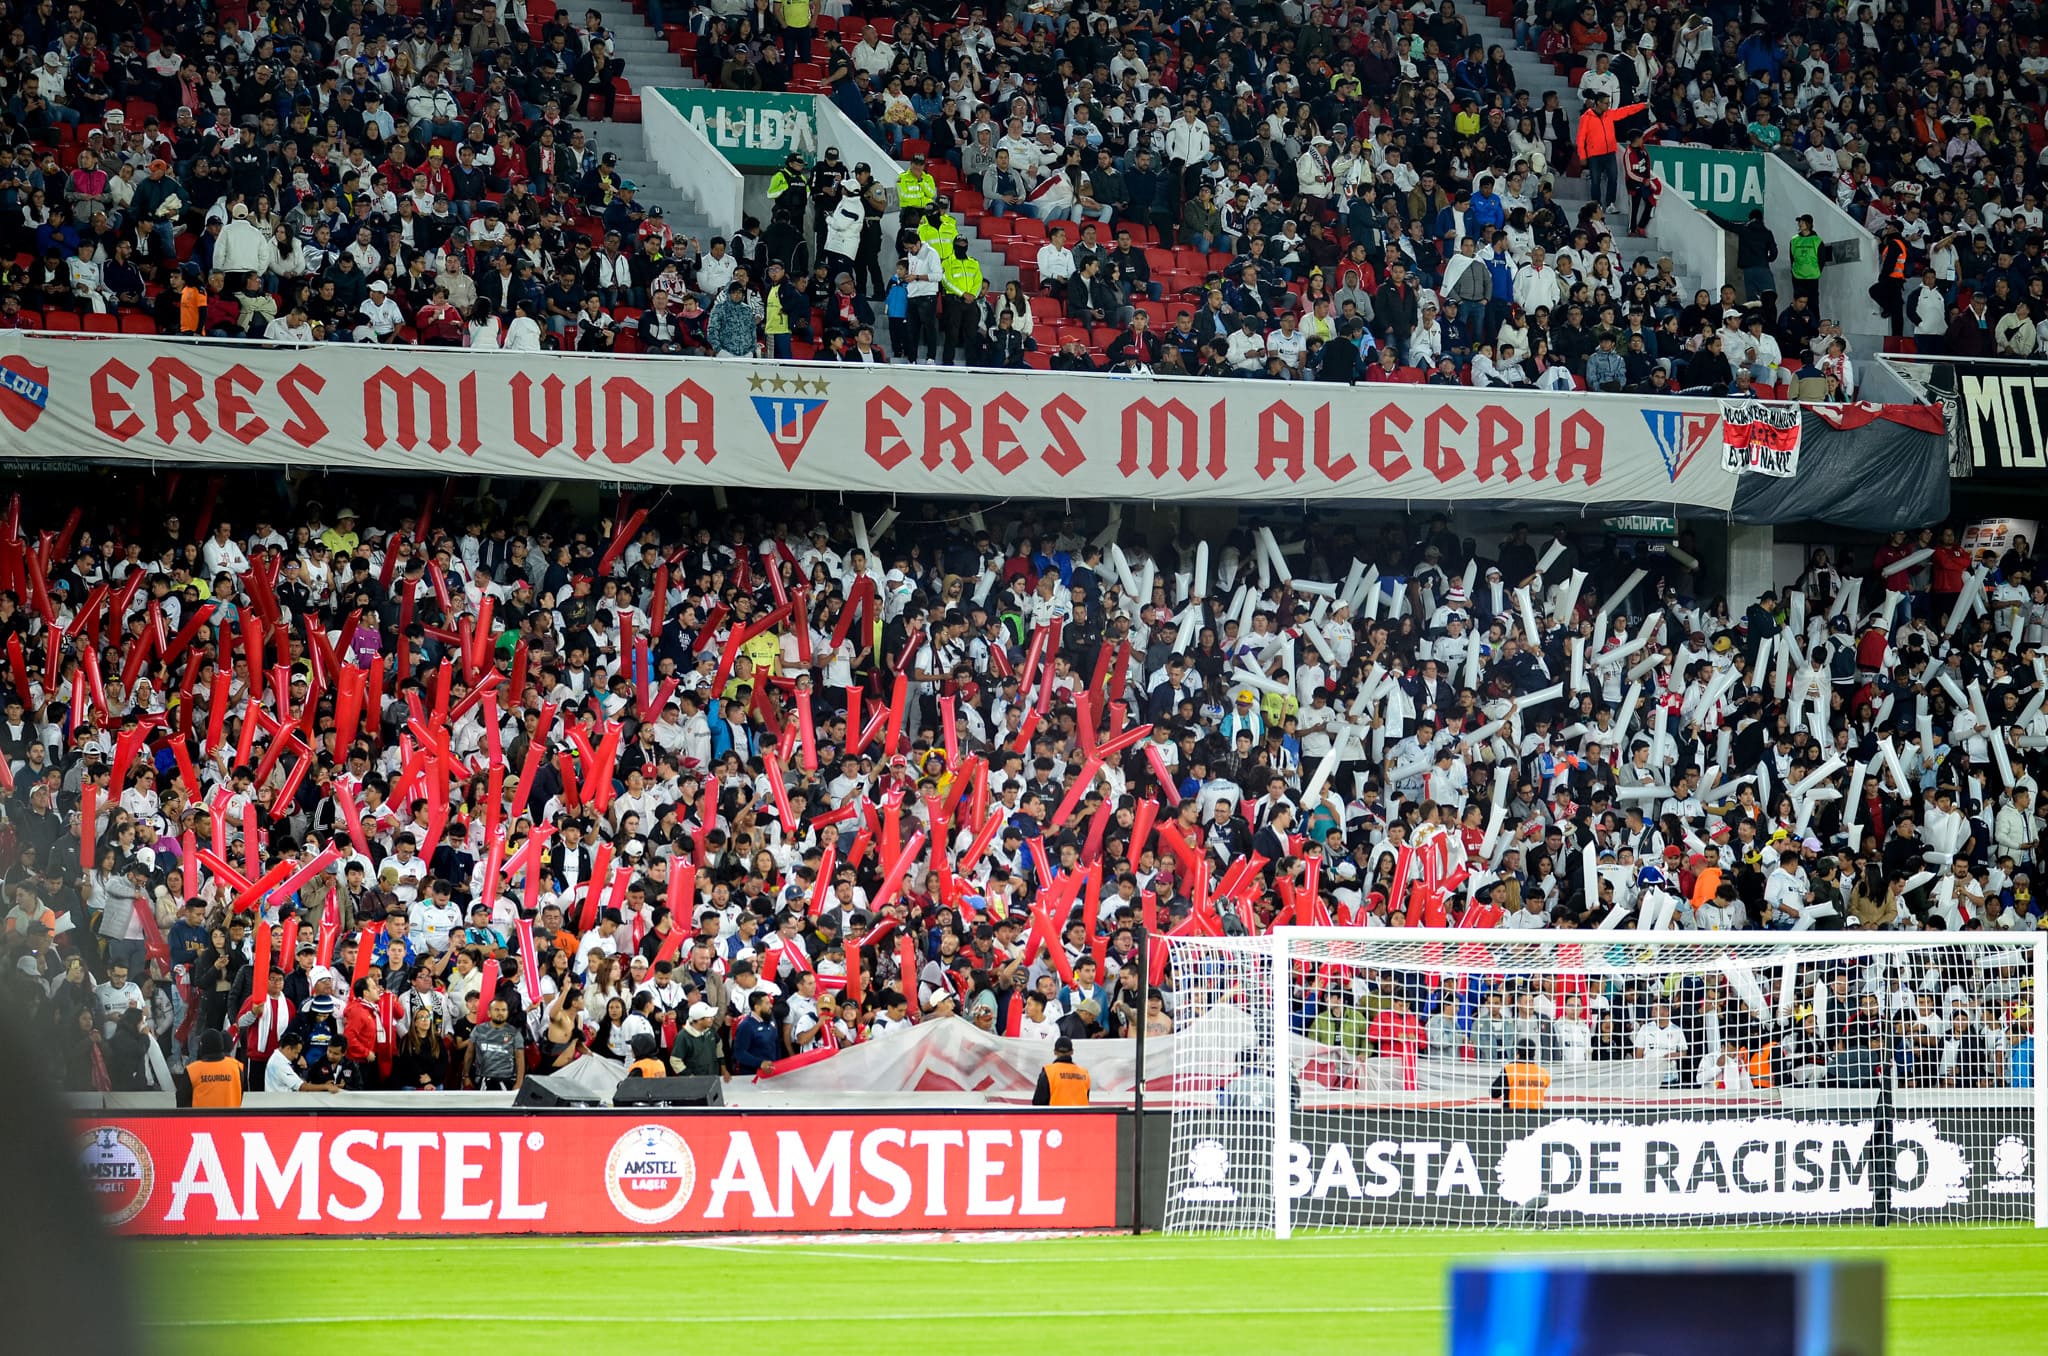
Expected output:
(600, 1172)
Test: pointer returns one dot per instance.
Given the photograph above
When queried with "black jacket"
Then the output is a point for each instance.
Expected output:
(1340, 362)
(1086, 295)
(1754, 245)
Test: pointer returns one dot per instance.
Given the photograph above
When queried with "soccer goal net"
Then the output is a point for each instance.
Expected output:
(1387, 1078)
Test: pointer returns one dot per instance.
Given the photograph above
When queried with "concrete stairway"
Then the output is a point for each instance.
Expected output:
(644, 53)
(1539, 78)
(648, 61)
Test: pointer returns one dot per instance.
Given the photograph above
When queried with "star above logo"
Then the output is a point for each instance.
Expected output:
(799, 384)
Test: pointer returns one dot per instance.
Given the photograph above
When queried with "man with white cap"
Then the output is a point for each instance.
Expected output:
(382, 319)
(242, 247)
(1786, 892)
(1312, 169)
(696, 1052)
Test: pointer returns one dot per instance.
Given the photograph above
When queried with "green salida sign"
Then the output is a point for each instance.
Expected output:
(753, 131)
(1730, 184)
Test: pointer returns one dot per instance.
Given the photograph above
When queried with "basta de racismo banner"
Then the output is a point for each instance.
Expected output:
(592, 1172)
(1489, 1167)
(845, 427)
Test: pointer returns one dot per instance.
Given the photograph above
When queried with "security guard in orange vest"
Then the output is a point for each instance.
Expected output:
(645, 1062)
(1522, 1082)
(216, 1079)
(1062, 1082)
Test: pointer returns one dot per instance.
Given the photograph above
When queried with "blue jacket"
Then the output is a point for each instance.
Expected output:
(1447, 222)
(755, 1043)
(1761, 55)
(1503, 277)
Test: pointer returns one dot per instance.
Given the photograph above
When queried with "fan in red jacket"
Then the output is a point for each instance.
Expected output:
(1951, 563)
(370, 1029)
(1894, 549)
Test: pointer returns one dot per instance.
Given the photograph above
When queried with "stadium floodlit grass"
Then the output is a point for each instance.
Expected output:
(1977, 1289)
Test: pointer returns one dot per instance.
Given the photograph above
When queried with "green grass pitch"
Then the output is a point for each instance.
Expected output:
(1978, 1290)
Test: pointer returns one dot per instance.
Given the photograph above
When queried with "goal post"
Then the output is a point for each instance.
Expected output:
(1402, 1078)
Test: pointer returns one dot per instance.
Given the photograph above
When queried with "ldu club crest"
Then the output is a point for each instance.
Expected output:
(24, 391)
(1679, 437)
(791, 418)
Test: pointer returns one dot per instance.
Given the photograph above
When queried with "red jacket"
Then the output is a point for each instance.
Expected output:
(1396, 1033)
(370, 1033)
(1596, 130)
(1883, 558)
(439, 322)
(1950, 563)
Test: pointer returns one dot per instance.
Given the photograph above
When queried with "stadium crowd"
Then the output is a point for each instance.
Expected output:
(450, 794)
(1344, 193)
(1280, 156)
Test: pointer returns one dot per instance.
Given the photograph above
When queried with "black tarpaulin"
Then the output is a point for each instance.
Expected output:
(1876, 477)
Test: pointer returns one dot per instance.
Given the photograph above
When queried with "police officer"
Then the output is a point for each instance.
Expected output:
(787, 189)
(874, 205)
(961, 320)
(940, 227)
(828, 185)
(916, 192)
(787, 194)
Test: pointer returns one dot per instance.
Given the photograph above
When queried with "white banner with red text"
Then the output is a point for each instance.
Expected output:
(590, 1172)
(833, 427)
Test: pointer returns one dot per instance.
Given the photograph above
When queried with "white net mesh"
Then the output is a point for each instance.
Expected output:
(1467, 1077)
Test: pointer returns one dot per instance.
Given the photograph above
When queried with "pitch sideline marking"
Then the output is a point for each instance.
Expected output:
(307, 1320)
(314, 1320)
(1459, 1250)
